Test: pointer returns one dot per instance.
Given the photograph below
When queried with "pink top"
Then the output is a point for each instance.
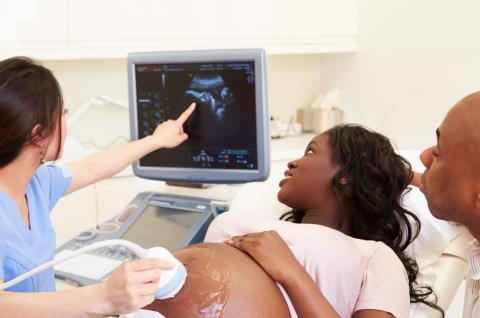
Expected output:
(352, 274)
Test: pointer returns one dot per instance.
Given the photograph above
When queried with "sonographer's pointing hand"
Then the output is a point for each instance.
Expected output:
(170, 133)
(133, 285)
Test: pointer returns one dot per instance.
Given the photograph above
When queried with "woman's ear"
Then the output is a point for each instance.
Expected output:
(343, 180)
(37, 134)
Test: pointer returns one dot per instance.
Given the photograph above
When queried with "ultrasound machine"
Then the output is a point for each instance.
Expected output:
(228, 143)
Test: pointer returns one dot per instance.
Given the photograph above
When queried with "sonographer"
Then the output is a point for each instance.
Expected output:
(32, 132)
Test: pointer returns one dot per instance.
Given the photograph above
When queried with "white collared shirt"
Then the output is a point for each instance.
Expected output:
(471, 308)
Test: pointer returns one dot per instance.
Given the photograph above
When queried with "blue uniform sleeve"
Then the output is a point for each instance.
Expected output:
(54, 180)
(3, 242)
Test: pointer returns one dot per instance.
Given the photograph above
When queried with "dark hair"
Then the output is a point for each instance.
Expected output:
(377, 179)
(29, 95)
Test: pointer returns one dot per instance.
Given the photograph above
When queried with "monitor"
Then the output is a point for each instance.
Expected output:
(228, 131)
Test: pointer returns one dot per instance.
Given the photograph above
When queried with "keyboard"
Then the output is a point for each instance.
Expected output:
(87, 265)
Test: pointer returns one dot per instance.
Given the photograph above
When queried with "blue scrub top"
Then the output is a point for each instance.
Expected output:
(23, 249)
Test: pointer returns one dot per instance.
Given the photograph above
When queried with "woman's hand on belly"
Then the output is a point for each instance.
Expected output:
(271, 252)
(276, 258)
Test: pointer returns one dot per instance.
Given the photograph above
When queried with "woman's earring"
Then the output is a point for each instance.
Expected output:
(343, 180)
(42, 156)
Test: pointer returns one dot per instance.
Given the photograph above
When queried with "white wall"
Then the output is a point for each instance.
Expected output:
(415, 60)
(83, 79)
(292, 81)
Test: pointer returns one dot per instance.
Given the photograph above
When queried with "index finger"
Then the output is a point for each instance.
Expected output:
(246, 246)
(184, 116)
(253, 234)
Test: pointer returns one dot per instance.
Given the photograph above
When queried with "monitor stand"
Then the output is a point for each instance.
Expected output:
(187, 184)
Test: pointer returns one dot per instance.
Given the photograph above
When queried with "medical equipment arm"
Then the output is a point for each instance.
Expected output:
(134, 247)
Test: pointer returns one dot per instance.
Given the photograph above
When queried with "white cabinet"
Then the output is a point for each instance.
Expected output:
(33, 24)
(55, 29)
(122, 23)
(314, 18)
(224, 23)
(310, 25)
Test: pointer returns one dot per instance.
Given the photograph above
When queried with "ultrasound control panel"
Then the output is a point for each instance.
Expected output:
(150, 219)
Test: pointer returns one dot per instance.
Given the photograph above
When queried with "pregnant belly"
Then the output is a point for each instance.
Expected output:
(222, 282)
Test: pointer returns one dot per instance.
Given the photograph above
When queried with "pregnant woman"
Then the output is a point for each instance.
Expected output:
(339, 253)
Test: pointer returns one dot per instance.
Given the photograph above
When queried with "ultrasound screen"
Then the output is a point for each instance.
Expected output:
(222, 130)
(160, 226)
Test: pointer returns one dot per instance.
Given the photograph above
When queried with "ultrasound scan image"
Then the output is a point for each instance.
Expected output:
(211, 93)
(222, 129)
(218, 114)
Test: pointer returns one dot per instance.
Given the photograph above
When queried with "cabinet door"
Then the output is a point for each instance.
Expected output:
(220, 23)
(314, 19)
(128, 24)
(33, 24)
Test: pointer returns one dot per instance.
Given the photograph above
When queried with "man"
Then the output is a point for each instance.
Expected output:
(451, 183)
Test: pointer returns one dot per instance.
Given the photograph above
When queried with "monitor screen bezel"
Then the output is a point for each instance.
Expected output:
(202, 175)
